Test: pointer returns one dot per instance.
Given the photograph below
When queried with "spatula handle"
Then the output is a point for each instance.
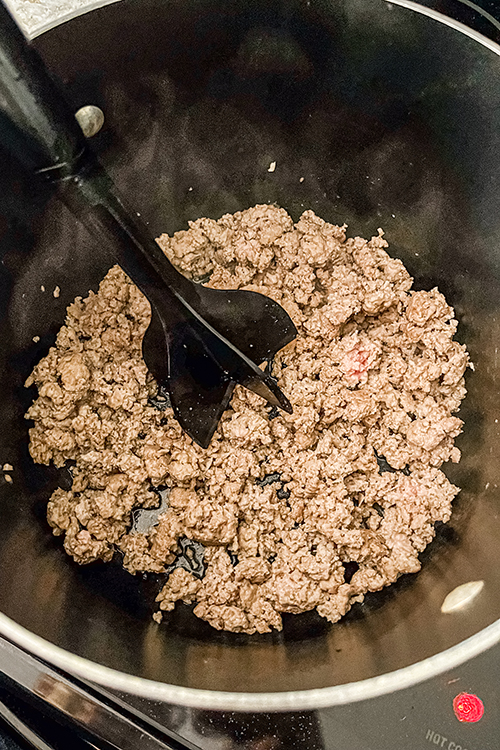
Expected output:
(46, 133)
(38, 125)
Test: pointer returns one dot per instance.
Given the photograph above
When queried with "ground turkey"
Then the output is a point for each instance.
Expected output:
(293, 512)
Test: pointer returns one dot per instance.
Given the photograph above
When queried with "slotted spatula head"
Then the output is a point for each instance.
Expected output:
(199, 366)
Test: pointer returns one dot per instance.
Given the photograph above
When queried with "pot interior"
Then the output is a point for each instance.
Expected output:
(393, 121)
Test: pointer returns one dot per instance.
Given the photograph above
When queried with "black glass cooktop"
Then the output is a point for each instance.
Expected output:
(459, 710)
(441, 713)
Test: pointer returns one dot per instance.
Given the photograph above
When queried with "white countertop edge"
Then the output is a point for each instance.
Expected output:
(37, 16)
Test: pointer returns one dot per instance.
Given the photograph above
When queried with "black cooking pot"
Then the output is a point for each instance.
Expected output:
(392, 117)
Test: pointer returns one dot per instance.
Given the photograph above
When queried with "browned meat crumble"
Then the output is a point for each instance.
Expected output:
(295, 512)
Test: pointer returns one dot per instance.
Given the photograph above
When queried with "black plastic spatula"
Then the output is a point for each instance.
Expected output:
(201, 341)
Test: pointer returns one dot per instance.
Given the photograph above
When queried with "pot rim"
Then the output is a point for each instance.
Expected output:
(352, 692)
(217, 700)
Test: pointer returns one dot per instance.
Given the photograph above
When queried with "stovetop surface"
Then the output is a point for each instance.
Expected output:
(58, 712)
(413, 719)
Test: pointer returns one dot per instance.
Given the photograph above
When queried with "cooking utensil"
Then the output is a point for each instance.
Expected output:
(393, 120)
(200, 341)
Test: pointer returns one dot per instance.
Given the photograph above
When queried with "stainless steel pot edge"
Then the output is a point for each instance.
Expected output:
(286, 701)
(351, 692)
(457, 25)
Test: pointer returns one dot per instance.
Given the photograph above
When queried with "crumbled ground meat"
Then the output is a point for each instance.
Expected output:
(294, 511)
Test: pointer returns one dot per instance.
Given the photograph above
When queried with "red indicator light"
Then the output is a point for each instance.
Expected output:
(468, 707)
